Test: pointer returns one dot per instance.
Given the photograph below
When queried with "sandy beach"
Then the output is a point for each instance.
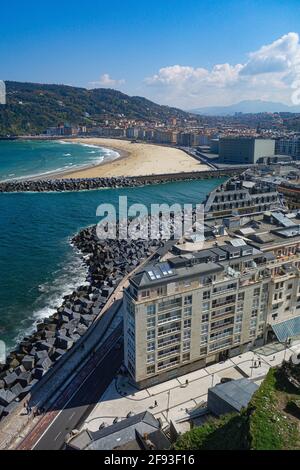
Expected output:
(136, 159)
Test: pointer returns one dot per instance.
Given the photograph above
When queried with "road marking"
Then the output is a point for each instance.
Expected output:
(108, 350)
(71, 416)
(57, 436)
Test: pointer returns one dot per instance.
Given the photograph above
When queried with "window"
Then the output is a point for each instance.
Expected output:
(241, 296)
(150, 358)
(204, 328)
(205, 318)
(145, 293)
(253, 323)
(290, 286)
(203, 351)
(186, 357)
(151, 309)
(187, 311)
(237, 339)
(186, 346)
(203, 339)
(256, 292)
(205, 306)
(150, 370)
(187, 283)
(238, 328)
(168, 304)
(206, 294)
(239, 318)
(187, 334)
(150, 322)
(187, 323)
(150, 334)
(188, 300)
(151, 346)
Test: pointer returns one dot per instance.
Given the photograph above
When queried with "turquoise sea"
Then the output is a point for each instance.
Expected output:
(37, 263)
(19, 159)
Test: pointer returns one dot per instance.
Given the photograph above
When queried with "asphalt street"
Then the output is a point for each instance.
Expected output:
(103, 366)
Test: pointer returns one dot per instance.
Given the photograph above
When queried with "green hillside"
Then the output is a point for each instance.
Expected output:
(270, 422)
(31, 107)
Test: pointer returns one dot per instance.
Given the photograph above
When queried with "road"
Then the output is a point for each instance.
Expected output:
(77, 401)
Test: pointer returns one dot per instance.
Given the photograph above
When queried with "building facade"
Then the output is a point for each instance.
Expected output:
(244, 150)
(201, 306)
(289, 147)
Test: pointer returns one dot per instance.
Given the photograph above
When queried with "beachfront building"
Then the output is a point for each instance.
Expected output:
(241, 196)
(244, 150)
(289, 146)
(197, 306)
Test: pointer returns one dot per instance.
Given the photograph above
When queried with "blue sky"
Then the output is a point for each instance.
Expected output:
(167, 50)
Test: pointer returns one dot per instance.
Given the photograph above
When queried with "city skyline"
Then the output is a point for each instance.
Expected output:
(184, 54)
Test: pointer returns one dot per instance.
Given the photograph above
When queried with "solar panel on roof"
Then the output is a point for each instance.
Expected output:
(237, 242)
(157, 274)
(152, 276)
(166, 269)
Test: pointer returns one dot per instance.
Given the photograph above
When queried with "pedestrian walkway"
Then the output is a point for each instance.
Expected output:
(175, 399)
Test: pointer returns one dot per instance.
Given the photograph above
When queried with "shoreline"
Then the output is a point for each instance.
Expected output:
(136, 159)
(52, 337)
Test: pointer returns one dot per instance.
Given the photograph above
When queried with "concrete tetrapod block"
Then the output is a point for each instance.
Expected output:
(63, 342)
(17, 389)
(28, 362)
(6, 397)
(19, 370)
(38, 373)
(24, 379)
(10, 379)
(10, 408)
(44, 363)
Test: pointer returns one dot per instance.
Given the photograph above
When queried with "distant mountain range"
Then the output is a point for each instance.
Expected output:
(32, 107)
(246, 107)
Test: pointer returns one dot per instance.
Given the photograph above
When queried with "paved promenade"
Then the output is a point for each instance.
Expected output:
(175, 399)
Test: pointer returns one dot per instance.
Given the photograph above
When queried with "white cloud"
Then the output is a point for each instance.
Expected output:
(106, 81)
(267, 74)
(277, 57)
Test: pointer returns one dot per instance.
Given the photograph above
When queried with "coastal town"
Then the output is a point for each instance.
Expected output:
(150, 232)
(170, 316)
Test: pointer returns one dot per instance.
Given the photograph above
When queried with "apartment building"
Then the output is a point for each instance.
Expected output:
(289, 146)
(199, 305)
(241, 196)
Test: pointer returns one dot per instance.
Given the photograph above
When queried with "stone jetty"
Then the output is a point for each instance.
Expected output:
(84, 184)
(108, 262)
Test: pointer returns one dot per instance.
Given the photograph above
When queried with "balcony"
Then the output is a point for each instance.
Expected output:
(226, 303)
(169, 342)
(222, 313)
(168, 353)
(224, 325)
(169, 365)
(220, 346)
(164, 332)
(162, 319)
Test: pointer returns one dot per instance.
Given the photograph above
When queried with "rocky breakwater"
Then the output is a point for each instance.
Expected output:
(59, 185)
(108, 262)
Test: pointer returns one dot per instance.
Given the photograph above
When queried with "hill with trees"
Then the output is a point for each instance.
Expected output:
(32, 107)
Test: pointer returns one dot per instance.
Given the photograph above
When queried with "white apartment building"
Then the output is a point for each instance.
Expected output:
(201, 306)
